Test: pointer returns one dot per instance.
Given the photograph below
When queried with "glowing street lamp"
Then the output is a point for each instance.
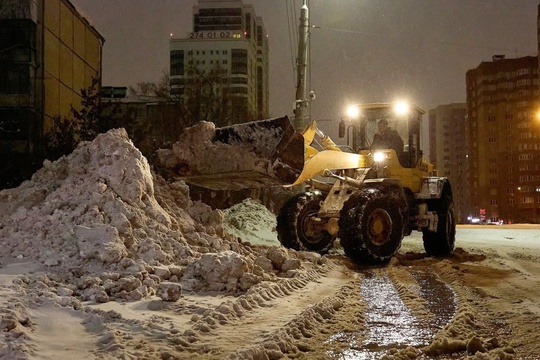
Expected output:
(353, 111)
(402, 108)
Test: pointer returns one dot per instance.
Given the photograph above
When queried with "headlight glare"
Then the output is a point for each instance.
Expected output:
(378, 156)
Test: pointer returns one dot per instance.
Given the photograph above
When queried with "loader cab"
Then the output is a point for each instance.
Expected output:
(400, 118)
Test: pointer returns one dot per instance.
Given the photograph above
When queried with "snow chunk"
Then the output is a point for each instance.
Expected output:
(216, 272)
(102, 242)
(169, 291)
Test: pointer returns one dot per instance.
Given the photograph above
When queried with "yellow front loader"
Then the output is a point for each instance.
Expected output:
(368, 198)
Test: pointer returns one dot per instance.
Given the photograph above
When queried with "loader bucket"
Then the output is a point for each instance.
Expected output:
(253, 155)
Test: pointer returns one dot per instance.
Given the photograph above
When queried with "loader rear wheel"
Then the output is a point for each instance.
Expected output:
(370, 227)
(295, 224)
(441, 243)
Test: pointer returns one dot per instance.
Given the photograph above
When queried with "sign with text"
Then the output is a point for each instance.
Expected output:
(212, 35)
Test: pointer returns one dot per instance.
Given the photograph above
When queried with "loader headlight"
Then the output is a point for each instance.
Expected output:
(379, 156)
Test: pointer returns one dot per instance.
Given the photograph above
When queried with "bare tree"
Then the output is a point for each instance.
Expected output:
(207, 95)
(202, 95)
(15, 9)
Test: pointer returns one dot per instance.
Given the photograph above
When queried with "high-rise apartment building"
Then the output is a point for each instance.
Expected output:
(504, 140)
(48, 53)
(229, 40)
(449, 154)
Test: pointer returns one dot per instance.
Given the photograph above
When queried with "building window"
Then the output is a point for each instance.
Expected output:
(177, 62)
(15, 79)
(525, 157)
(248, 26)
(239, 90)
(15, 123)
(526, 178)
(239, 80)
(239, 61)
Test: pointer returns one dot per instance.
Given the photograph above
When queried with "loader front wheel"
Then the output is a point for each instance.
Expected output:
(370, 227)
(441, 243)
(296, 226)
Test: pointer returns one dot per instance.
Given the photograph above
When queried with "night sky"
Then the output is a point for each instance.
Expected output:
(362, 50)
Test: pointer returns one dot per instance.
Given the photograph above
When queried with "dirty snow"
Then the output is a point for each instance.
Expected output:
(251, 221)
(241, 154)
(102, 258)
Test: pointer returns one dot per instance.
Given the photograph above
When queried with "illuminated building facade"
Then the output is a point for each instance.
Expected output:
(229, 38)
(449, 154)
(504, 140)
(48, 53)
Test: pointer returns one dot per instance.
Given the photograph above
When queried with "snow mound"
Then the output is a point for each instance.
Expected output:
(94, 203)
(185, 155)
(252, 222)
(114, 230)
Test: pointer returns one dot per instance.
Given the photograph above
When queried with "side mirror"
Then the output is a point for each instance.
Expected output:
(341, 129)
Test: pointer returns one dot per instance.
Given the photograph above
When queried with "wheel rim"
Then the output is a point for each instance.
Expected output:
(308, 232)
(379, 226)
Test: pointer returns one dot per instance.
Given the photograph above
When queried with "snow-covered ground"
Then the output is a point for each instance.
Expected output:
(102, 259)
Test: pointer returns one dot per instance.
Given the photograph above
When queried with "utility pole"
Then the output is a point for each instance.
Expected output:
(301, 67)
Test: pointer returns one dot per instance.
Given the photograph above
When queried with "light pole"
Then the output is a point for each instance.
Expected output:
(301, 68)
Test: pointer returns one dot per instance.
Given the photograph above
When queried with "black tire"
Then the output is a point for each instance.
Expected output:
(371, 227)
(293, 224)
(441, 243)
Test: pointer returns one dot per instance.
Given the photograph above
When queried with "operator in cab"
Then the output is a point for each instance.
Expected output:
(387, 138)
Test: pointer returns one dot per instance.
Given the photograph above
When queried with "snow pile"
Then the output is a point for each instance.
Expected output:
(251, 155)
(100, 219)
(196, 153)
(251, 221)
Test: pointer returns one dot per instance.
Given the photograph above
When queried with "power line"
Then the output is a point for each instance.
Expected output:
(292, 34)
(451, 43)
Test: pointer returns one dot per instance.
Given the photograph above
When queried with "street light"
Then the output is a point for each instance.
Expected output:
(353, 111)
(402, 108)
